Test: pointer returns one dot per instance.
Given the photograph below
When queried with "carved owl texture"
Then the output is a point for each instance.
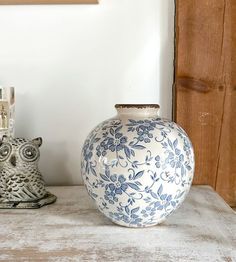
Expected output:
(20, 178)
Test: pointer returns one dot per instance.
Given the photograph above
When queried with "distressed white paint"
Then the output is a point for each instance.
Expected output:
(202, 229)
(71, 63)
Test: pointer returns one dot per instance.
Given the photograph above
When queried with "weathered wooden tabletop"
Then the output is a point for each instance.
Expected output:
(202, 229)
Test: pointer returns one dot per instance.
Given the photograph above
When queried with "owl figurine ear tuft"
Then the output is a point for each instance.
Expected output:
(38, 141)
(4, 138)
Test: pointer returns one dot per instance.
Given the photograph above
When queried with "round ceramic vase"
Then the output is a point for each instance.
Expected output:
(137, 167)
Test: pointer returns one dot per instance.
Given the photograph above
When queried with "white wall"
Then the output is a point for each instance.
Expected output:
(71, 63)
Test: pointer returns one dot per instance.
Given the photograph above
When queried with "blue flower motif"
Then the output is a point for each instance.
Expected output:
(148, 212)
(87, 150)
(108, 124)
(101, 151)
(113, 140)
(144, 136)
(187, 147)
(118, 185)
(146, 125)
(119, 217)
(141, 125)
(110, 196)
(164, 202)
(116, 143)
(175, 160)
(131, 219)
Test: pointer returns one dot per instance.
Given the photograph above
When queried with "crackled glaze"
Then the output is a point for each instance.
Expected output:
(137, 166)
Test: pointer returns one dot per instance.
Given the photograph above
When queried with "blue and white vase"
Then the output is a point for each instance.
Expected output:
(137, 167)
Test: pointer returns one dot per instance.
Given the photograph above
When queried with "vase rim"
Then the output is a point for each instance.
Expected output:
(137, 106)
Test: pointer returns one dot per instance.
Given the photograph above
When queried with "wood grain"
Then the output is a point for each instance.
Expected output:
(37, 2)
(205, 95)
(73, 229)
(226, 175)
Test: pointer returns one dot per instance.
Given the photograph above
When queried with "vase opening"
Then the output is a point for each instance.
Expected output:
(142, 110)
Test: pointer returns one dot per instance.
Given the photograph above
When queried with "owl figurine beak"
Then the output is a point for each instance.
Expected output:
(13, 160)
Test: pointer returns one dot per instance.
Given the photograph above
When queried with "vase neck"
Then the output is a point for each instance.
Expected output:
(126, 110)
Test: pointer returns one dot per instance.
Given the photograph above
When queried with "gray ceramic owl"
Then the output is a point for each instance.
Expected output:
(21, 183)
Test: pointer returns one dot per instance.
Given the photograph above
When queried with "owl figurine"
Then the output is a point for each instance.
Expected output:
(21, 183)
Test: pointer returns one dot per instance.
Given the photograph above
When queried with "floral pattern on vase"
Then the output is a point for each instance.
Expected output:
(137, 168)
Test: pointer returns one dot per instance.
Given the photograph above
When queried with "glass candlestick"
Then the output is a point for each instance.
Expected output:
(7, 111)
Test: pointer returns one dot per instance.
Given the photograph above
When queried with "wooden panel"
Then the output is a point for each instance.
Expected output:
(226, 176)
(73, 229)
(36, 2)
(205, 97)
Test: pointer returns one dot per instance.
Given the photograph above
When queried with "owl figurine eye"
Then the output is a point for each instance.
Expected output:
(5, 150)
(29, 153)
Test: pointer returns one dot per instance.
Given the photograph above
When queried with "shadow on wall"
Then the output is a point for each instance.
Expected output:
(54, 157)
(54, 160)
(27, 113)
(166, 60)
